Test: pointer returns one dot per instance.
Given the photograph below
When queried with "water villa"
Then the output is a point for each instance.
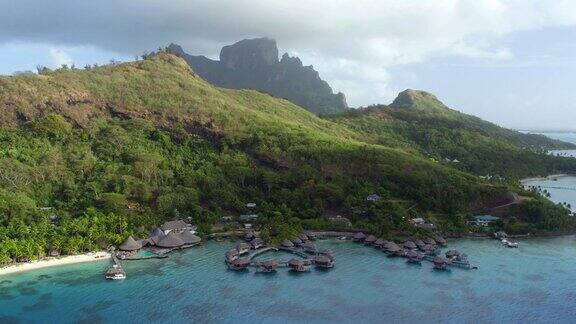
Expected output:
(303, 237)
(440, 263)
(130, 245)
(298, 265)
(359, 237)
(176, 226)
(170, 241)
(430, 241)
(231, 255)
(414, 257)
(311, 236)
(296, 241)
(239, 264)
(268, 266)
(323, 261)
(410, 245)
(370, 239)
(249, 236)
(440, 240)
(392, 249)
(379, 243)
(310, 248)
(243, 248)
(257, 243)
(287, 244)
(420, 244)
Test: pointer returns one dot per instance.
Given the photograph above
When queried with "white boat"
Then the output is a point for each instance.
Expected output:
(115, 273)
(509, 243)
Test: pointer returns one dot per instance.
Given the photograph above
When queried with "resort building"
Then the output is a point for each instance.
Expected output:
(249, 218)
(420, 223)
(177, 226)
(483, 220)
(130, 245)
(373, 198)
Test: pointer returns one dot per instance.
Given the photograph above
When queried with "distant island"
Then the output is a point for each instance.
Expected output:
(254, 64)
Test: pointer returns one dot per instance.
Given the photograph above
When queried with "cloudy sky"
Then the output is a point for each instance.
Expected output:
(512, 62)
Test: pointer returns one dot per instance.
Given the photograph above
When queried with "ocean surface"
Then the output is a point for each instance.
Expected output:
(534, 283)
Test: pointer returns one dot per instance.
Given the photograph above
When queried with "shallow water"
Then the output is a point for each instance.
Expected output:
(533, 283)
(561, 190)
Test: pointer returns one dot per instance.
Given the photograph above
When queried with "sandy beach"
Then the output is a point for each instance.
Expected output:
(50, 262)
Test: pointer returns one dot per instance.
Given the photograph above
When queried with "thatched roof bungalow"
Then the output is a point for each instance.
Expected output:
(359, 237)
(172, 240)
(370, 239)
(130, 245)
(249, 236)
(188, 238)
(440, 263)
(257, 243)
(429, 249)
(452, 254)
(175, 225)
(240, 264)
(430, 241)
(303, 237)
(440, 240)
(296, 241)
(242, 247)
(269, 266)
(380, 242)
(287, 244)
(419, 243)
(297, 265)
(410, 245)
(323, 261)
(311, 236)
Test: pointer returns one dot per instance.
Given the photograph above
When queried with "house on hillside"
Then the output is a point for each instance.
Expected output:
(177, 226)
(420, 223)
(373, 198)
(483, 220)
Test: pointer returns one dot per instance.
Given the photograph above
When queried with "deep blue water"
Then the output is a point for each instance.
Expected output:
(534, 283)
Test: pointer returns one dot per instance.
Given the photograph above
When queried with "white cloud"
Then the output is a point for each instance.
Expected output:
(354, 43)
(59, 57)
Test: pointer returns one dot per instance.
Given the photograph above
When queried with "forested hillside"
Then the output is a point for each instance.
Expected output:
(418, 122)
(88, 157)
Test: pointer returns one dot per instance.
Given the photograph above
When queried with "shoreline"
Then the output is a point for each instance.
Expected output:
(550, 177)
(52, 262)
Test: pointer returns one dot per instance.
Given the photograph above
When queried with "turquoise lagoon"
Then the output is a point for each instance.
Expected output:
(534, 283)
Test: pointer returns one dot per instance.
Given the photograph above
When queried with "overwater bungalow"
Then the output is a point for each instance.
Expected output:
(257, 243)
(420, 244)
(287, 244)
(323, 261)
(296, 241)
(298, 265)
(440, 263)
(189, 239)
(172, 240)
(430, 241)
(370, 239)
(414, 257)
(242, 248)
(249, 236)
(239, 264)
(359, 237)
(303, 237)
(392, 249)
(327, 252)
(309, 247)
(453, 254)
(440, 240)
(410, 245)
(130, 245)
(379, 243)
(311, 236)
(156, 232)
(429, 249)
(268, 266)
(231, 255)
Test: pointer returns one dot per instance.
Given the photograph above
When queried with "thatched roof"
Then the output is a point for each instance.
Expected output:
(303, 237)
(311, 236)
(429, 241)
(370, 239)
(359, 236)
(392, 247)
(452, 253)
(413, 254)
(320, 258)
(410, 245)
(242, 246)
(440, 240)
(231, 254)
(156, 238)
(428, 247)
(174, 225)
(249, 236)
(287, 243)
(257, 240)
(380, 242)
(241, 262)
(295, 262)
(419, 243)
(270, 263)
(156, 232)
(296, 240)
(189, 238)
(440, 260)
(309, 246)
(171, 240)
(130, 245)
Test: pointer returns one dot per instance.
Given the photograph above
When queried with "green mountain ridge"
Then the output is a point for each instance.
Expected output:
(88, 157)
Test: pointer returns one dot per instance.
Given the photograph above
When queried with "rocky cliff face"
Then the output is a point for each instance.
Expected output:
(253, 63)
